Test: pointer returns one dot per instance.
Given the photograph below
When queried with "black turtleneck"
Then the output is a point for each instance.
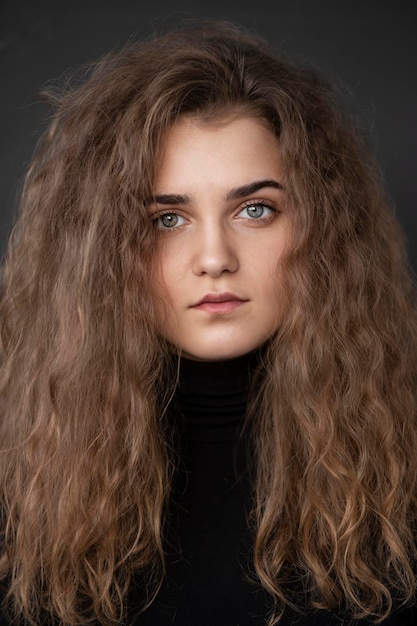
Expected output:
(208, 553)
(209, 547)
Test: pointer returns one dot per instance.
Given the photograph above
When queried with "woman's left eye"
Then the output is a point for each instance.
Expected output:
(256, 211)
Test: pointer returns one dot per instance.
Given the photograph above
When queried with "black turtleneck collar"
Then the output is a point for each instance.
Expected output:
(212, 397)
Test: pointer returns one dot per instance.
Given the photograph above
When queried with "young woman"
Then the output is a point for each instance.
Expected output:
(209, 340)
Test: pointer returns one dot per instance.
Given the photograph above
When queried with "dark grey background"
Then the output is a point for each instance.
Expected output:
(369, 48)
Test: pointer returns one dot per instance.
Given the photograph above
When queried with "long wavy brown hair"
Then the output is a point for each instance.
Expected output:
(86, 457)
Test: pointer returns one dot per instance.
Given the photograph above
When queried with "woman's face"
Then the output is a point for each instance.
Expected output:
(223, 225)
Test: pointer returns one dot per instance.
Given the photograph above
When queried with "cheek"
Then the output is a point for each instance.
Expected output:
(266, 271)
(169, 287)
(168, 272)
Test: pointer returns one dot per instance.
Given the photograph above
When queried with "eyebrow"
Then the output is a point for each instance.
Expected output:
(247, 190)
(234, 194)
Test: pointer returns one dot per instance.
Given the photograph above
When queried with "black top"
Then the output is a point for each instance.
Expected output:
(209, 560)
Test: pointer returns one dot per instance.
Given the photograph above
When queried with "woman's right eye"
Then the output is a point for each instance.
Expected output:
(168, 221)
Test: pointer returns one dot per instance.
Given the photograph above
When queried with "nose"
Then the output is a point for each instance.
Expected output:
(215, 252)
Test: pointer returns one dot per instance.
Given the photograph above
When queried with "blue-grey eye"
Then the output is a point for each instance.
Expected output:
(169, 220)
(255, 211)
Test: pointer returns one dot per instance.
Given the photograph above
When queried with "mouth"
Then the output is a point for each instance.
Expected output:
(219, 303)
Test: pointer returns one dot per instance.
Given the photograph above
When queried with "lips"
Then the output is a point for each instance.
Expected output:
(219, 302)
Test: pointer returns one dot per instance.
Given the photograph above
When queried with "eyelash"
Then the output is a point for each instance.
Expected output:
(247, 204)
(156, 218)
(257, 203)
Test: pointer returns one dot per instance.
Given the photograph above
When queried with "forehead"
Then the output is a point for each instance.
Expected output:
(226, 152)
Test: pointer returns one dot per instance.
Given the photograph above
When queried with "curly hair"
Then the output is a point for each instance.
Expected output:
(86, 456)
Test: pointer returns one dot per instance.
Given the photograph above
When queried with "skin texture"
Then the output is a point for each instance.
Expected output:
(216, 238)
